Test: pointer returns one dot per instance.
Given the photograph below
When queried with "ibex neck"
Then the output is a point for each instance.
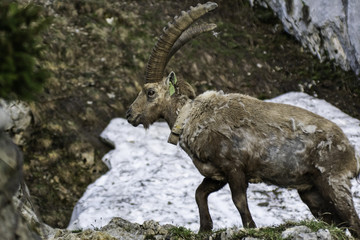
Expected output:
(178, 126)
(173, 110)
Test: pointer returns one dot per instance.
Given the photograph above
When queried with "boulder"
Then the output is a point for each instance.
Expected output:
(18, 120)
(330, 29)
(12, 224)
(17, 214)
(303, 232)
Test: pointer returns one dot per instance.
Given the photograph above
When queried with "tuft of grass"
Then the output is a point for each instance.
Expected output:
(274, 233)
(269, 233)
(182, 233)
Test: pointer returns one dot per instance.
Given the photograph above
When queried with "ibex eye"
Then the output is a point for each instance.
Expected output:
(150, 93)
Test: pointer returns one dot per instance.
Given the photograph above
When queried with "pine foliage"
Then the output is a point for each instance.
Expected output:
(20, 48)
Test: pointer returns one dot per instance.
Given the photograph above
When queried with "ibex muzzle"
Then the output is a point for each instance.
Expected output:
(236, 139)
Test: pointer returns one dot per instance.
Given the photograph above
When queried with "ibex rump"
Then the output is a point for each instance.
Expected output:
(237, 139)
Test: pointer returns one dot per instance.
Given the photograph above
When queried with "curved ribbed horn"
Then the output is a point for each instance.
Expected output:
(187, 35)
(159, 56)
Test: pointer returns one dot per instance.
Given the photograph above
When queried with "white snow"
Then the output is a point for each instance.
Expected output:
(151, 179)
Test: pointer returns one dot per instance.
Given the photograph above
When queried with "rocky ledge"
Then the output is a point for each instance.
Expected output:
(119, 228)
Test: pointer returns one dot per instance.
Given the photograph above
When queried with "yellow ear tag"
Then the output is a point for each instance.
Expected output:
(172, 82)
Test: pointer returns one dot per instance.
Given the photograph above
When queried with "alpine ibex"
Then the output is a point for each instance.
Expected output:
(237, 139)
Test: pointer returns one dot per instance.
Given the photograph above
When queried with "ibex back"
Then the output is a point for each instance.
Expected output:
(237, 139)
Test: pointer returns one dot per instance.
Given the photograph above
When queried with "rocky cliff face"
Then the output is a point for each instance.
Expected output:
(330, 29)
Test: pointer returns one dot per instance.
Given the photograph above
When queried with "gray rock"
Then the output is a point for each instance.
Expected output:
(330, 29)
(305, 233)
(13, 225)
(122, 229)
(299, 232)
(4, 120)
(10, 167)
(16, 117)
(324, 234)
(119, 228)
(24, 207)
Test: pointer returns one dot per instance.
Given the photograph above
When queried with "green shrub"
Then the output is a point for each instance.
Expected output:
(20, 48)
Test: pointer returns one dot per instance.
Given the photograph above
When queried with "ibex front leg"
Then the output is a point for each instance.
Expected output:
(207, 187)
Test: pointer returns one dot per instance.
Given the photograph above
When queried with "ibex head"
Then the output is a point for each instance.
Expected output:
(160, 97)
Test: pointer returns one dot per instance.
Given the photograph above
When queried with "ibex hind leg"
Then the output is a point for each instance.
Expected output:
(238, 187)
(319, 207)
(336, 190)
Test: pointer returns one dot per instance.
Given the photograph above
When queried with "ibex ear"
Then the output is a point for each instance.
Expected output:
(171, 80)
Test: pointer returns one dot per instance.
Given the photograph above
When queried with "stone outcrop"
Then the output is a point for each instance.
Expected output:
(19, 119)
(303, 232)
(120, 229)
(330, 29)
(13, 225)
